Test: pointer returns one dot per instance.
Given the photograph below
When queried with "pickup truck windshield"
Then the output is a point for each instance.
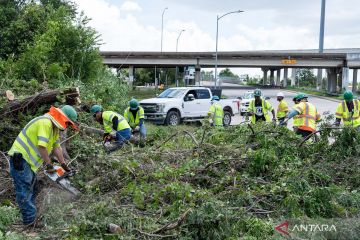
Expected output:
(172, 93)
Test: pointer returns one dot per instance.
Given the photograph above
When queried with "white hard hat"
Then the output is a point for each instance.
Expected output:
(280, 94)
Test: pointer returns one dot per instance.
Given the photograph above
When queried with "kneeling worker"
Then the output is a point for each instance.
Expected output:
(31, 149)
(112, 121)
(134, 115)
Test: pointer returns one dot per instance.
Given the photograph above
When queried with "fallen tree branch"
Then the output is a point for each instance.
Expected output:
(71, 96)
(155, 235)
(174, 224)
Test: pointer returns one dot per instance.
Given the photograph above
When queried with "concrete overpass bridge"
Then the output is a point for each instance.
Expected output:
(337, 62)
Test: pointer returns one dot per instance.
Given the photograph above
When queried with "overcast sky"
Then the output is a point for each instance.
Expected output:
(135, 25)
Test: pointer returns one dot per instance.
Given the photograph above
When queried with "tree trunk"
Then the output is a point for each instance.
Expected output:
(70, 95)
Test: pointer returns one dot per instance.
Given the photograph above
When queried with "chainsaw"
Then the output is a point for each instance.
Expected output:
(61, 177)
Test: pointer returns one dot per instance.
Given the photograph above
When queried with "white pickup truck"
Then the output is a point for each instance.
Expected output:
(175, 105)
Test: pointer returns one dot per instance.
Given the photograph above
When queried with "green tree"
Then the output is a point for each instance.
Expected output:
(227, 73)
(306, 78)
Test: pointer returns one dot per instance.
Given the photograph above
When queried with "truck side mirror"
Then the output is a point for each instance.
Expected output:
(240, 98)
(267, 98)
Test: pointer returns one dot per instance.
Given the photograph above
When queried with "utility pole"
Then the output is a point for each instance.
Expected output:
(321, 42)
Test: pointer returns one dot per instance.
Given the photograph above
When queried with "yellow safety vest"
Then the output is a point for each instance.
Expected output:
(343, 113)
(38, 132)
(130, 118)
(296, 121)
(282, 109)
(307, 116)
(107, 120)
(266, 106)
(217, 113)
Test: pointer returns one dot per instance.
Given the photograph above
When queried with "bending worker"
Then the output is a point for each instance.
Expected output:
(134, 115)
(216, 113)
(258, 108)
(112, 121)
(348, 111)
(282, 109)
(31, 149)
(307, 115)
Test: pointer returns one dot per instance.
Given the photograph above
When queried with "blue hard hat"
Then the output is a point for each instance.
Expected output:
(216, 98)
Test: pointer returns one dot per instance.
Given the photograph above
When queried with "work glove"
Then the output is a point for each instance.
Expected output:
(65, 167)
(50, 168)
(107, 138)
(137, 129)
(211, 121)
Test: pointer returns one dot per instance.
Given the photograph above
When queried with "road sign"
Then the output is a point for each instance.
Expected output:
(288, 61)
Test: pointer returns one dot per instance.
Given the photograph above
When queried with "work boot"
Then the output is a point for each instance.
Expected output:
(112, 147)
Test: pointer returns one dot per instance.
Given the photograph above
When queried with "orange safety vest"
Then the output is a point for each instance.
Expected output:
(307, 117)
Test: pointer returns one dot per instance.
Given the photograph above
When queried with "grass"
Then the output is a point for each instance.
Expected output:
(144, 94)
(316, 92)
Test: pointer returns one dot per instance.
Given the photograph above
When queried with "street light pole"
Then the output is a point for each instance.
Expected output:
(177, 40)
(162, 27)
(321, 42)
(177, 69)
(217, 36)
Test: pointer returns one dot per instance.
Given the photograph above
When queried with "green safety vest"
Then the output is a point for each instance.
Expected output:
(217, 113)
(108, 116)
(38, 132)
(343, 113)
(130, 118)
(266, 106)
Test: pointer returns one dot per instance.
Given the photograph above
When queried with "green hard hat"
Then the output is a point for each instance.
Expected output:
(95, 109)
(70, 112)
(300, 96)
(134, 104)
(348, 96)
(257, 93)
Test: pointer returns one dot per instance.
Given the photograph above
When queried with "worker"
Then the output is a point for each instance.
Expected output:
(134, 115)
(296, 118)
(258, 108)
(282, 109)
(31, 149)
(112, 121)
(216, 113)
(307, 115)
(348, 111)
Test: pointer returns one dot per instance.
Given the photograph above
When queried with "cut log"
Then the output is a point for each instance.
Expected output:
(69, 96)
(91, 130)
(8, 94)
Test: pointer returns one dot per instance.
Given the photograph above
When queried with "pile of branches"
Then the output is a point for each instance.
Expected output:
(209, 183)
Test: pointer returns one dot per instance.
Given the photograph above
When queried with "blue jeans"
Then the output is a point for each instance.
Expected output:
(123, 136)
(25, 185)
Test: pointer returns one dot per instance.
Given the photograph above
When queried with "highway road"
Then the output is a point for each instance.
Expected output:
(323, 105)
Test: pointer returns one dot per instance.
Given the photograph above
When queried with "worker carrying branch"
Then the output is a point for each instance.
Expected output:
(307, 115)
(134, 115)
(112, 121)
(31, 149)
(258, 108)
(216, 112)
(348, 111)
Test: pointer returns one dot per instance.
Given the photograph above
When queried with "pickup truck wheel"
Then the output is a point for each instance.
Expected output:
(227, 118)
(172, 118)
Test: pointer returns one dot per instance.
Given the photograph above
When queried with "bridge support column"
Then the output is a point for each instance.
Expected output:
(319, 79)
(131, 75)
(265, 76)
(293, 76)
(272, 82)
(278, 73)
(345, 79)
(197, 75)
(354, 83)
(332, 79)
(285, 77)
